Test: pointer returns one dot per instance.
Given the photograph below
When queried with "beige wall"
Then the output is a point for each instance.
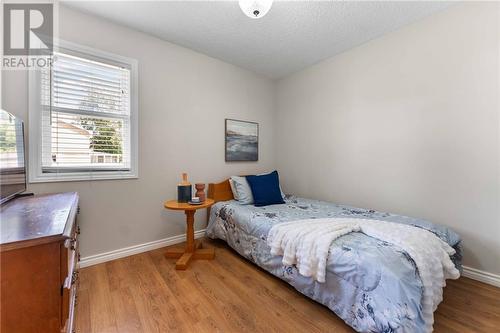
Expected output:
(183, 99)
(407, 123)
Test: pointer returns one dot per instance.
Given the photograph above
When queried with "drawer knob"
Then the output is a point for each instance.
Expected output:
(70, 243)
(74, 277)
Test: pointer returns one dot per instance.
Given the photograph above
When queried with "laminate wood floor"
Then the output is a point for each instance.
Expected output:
(144, 293)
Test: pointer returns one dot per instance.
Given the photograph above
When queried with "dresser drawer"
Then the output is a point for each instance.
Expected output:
(70, 260)
(73, 254)
(72, 293)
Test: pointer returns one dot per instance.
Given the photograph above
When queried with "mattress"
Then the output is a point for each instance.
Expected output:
(372, 285)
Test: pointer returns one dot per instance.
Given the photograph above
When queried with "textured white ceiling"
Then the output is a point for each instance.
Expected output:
(292, 36)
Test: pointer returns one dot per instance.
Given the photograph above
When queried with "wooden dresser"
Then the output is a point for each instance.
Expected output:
(39, 263)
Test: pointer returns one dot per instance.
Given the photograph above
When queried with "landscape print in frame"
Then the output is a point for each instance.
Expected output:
(242, 140)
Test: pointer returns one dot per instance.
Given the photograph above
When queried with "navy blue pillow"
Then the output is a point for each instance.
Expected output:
(266, 189)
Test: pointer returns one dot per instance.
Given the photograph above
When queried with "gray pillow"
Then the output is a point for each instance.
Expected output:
(233, 189)
(243, 190)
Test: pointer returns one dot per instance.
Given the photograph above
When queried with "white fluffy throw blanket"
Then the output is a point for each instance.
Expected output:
(306, 243)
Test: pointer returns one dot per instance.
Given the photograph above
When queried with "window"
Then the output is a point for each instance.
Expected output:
(84, 113)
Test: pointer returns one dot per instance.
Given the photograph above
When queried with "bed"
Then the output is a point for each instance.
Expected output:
(372, 285)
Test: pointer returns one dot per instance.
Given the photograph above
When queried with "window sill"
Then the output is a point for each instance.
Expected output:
(81, 176)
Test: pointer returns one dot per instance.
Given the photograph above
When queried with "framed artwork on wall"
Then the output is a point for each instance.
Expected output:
(242, 140)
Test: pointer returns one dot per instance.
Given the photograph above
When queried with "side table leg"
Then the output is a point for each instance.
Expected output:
(190, 231)
(183, 261)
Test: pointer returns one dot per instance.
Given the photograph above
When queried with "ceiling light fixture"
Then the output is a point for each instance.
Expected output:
(255, 8)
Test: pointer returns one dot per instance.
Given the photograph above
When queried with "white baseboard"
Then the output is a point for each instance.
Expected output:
(482, 276)
(131, 250)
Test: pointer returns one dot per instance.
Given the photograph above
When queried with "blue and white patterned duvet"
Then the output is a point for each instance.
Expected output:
(372, 285)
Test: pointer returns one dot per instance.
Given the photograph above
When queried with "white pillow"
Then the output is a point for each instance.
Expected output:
(233, 189)
(242, 190)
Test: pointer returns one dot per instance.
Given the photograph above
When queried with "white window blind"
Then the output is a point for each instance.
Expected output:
(86, 118)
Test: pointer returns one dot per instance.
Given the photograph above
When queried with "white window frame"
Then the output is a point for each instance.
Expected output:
(35, 173)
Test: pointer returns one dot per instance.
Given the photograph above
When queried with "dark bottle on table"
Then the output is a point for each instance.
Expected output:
(184, 189)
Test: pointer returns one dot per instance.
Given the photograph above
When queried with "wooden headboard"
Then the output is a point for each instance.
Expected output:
(219, 192)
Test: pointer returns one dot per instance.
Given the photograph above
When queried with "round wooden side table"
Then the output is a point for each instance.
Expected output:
(193, 250)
